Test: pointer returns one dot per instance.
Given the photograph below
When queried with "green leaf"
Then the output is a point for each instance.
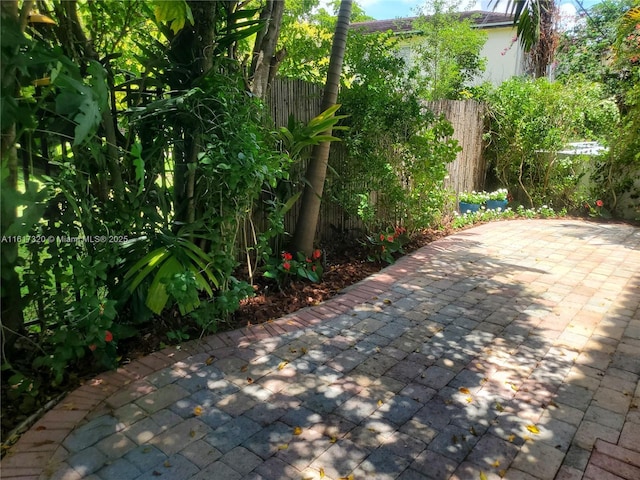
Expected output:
(173, 12)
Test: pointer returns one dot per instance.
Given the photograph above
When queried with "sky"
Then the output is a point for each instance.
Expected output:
(386, 9)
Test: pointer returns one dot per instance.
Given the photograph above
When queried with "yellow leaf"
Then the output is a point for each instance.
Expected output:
(282, 365)
(483, 476)
(533, 429)
(502, 473)
(496, 464)
(386, 301)
(464, 390)
(348, 477)
(297, 430)
(197, 411)
(210, 360)
(511, 437)
(380, 403)
(321, 472)
(469, 399)
(284, 446)
(333, 439)
(192, 433)
(167, 463)
(499, 407)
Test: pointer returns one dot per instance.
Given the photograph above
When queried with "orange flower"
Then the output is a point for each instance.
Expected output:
(108, 336)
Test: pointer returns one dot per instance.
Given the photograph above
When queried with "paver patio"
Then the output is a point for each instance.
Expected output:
(504, 351)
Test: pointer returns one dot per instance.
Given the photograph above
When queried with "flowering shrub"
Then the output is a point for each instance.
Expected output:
(596, 209)
(287, 267)
(474, 197)
(500, 194)
(384, 245)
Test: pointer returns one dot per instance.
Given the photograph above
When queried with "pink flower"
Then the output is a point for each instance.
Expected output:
(599, 203)
(286, 266)
(390, 238)
(382, 237)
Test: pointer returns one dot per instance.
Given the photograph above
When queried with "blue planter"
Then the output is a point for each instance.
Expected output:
(495, 204)
(468, 207)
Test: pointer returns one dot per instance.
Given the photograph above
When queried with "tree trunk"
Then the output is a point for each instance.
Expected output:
(317, 168)
(265, 60)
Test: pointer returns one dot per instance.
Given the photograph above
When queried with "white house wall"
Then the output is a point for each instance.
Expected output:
(504, 56)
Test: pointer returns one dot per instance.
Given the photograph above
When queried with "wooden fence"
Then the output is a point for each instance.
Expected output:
(303, 100)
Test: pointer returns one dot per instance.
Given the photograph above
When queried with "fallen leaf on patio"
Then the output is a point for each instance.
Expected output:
(499, 407)
(526, 438)
(297, 430)
(282, 365)
(40, 428)
(192, 433)
(249, 380)
(511, 437)
(533, 429)
(502, 473)
(284, 446)
(380, 403)
(348, 477)
(484, 380)
(156, 473)
(167, 463)
(469, 399)
(292, 350)
(333, 439)
(480, 366)
(483, 476)
(473, 431)
(464, 390)
(303, 350)
(69, 406)
(321, 472)
(496, 464)
(209, 360)
(244, 368)
(386, 301)
(197, 411)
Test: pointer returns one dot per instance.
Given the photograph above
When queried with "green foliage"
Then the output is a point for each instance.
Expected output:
(384, 246)
(448, 52)
(531, 120)
(286, 267)
(396, 149)
(174, 12)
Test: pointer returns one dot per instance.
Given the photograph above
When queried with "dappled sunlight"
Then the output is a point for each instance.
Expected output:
(473, 363)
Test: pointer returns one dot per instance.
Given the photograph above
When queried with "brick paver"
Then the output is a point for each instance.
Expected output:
(509, 350)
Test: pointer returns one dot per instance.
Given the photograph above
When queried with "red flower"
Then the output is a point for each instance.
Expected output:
(390, 238)
(108, 336)
(382, 237)
(308, 260)
(286, 266)
(599, 203)
(316, 254)
(313, 267)
(287, 256)
(92, 347)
